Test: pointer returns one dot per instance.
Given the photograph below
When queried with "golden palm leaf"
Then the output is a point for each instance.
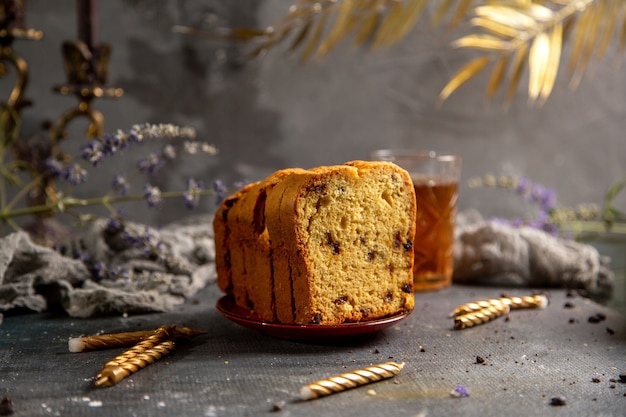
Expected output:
(535, 32)
(517, 35)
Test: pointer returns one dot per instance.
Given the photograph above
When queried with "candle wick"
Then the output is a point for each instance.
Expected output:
(102, 381)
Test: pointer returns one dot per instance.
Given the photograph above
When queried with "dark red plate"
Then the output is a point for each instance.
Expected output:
(305, 332)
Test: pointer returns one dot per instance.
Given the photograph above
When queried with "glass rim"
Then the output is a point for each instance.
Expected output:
(399, 154)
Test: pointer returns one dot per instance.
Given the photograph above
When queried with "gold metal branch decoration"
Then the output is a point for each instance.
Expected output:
(520, 31)
(512, 35)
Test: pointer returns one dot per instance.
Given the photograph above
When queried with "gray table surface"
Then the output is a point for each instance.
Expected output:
(236, 371)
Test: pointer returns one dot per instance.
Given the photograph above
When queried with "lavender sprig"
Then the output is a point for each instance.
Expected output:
(99, 150)
(550, 217)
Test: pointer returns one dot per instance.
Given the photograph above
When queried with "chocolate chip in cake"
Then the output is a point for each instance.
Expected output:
(331, 242)
(340, 300)
(317, 319)
(371, 255)
(389, 296)
(408, 245)
(398, 241)
(406, 288)
(317, 188)
(365, 312)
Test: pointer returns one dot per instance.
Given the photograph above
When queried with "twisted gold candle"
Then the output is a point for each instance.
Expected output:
(106, 341)
(349, 380)
(116, 370)
(160, 335)
(514, 303)
(481, 316)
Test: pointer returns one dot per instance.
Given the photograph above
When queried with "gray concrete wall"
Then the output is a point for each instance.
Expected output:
(274, 112)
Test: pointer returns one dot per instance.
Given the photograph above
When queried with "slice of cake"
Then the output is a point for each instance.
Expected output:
(331, 244)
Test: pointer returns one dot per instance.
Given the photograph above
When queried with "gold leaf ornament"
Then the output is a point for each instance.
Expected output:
(507, 16)
(483, 42)
(538, 64)
(519, 34)
(470, 70)
(554, 58)
(400, 18)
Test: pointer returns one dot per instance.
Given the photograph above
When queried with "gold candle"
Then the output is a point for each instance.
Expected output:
(481, 316)
(160, 335)
(115, 371)
(349, 380)
(107, 341)
(514, 303)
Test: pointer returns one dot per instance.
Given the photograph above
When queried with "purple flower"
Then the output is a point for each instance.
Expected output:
(139, 239)
(93, 153)
(54, 166)
(84, 257)
(523, 185)
(548, 200)
(99, 270)
(118, 272)
(75, 174)
(112, 143)
(545, 197)
(113, 225)
(220, 191)
(460, 391)
(152, 195)
(191, 196)
(151, 164)
(120, 184)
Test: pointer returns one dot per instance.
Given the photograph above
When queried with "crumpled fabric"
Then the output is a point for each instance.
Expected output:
(501, 255)
(37, 278)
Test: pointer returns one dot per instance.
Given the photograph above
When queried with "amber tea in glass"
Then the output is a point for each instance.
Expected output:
(435, 178)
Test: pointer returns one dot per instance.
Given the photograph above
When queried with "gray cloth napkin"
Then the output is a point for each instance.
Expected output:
(36, 278)
(500, 255)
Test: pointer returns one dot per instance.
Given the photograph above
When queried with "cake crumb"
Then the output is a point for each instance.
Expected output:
(558, 401)
(6, 406)
(278, 406)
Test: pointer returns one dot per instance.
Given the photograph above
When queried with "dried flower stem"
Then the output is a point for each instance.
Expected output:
(107, 341)
(118, 369)
(350, 380)
(63, 204)
(481, 316)
(515, 303)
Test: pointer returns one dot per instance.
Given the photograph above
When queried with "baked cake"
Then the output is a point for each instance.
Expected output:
(327, 245)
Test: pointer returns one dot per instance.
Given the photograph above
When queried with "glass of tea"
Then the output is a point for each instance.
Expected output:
(436, 181)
